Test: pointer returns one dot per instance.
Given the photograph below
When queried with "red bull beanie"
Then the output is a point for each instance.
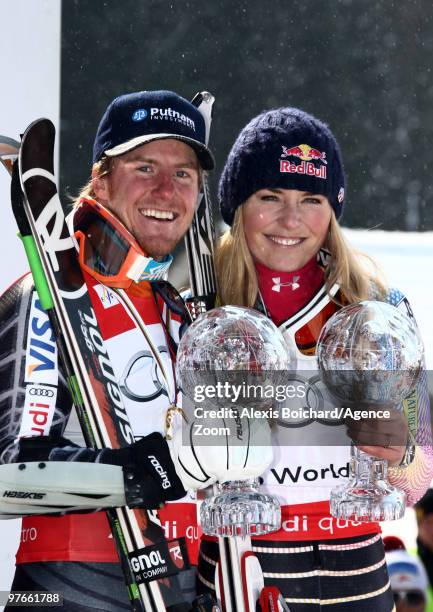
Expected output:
(284, 148)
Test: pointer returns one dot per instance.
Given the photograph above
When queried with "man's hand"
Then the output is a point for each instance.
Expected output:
(381, 438)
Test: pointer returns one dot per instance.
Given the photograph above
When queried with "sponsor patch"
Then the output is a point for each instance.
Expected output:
(41, 352)
(38, 412)
(307, 168)
(172, 115)
(159, 560)
(139, 114)
(107, 297)
(24, 494)
(307, 155)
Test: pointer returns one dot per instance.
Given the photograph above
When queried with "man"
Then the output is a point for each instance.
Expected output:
(408, 580)
(424, 517)
(149, 155)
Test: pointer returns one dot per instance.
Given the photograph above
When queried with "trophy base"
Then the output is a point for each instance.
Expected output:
(360, 501)
(240, 510)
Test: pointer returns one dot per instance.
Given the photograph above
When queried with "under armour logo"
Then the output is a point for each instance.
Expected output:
(278, 284)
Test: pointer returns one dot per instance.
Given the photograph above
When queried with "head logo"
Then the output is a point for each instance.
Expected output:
(139, 114)
(305, 152)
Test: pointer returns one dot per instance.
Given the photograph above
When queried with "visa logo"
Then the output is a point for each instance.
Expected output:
(41, 354)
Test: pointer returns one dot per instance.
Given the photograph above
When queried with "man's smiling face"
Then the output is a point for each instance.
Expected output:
(153, 191)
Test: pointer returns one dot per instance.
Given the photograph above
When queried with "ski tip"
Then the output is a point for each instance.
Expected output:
(203, 96)
(41, 124)
(37, 150)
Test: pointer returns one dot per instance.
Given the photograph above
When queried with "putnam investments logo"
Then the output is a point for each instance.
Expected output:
(140, 114)
(163, 114)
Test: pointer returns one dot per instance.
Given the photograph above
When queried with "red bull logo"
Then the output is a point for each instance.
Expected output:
(307, 155)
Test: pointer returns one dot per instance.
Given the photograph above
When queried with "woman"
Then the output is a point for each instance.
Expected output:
(282, 192)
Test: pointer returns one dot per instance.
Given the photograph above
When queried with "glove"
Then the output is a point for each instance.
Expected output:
(149, 474)
(207, 451)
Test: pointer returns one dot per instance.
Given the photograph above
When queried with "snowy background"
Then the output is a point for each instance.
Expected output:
(30, 89)
(31, 82)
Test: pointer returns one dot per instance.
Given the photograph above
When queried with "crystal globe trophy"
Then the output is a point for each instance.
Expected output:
(235, 346)
(370, 355)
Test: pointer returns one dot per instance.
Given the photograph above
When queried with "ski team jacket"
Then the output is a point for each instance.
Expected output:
(35, 402)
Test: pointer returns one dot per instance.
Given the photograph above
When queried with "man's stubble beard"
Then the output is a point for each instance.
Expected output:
(155, 253)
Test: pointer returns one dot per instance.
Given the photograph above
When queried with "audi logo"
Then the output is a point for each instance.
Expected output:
(41, 392)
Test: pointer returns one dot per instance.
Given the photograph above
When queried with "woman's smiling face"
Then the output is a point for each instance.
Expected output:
(285, 228)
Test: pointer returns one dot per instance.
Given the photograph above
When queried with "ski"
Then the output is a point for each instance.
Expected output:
(9, 149)
(238, 576)
(36, 487)
(200, 239)
(94, 389)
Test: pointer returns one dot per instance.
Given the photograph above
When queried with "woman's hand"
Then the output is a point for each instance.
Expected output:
(380, 437)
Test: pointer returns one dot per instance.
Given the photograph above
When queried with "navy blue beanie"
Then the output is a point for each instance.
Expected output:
(284, 148)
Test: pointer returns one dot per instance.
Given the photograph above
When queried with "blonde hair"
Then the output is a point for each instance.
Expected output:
(237, 278)
(101, 168)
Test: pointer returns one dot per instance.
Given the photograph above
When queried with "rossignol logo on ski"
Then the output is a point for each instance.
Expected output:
(159, 560)
(95, 343)
(149, 561)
